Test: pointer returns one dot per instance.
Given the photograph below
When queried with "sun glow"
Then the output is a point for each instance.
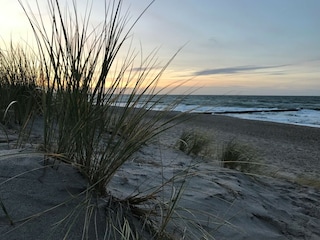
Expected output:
(13, 23)
(217, 54)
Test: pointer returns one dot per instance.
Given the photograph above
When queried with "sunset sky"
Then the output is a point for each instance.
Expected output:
(231, 46)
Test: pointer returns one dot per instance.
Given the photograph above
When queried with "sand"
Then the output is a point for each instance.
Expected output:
(292, 149)
(216, 203)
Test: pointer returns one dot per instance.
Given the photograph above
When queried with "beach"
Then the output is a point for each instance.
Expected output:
(104, 136)
(291, 148)
(216, 203)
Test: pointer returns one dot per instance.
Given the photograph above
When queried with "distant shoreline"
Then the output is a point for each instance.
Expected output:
(261, 120)
(297, 110)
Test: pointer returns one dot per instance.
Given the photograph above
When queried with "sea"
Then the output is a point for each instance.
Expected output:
(298, 110)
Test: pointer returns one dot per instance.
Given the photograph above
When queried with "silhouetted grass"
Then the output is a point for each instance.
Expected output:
(96, 113)
(19, 92)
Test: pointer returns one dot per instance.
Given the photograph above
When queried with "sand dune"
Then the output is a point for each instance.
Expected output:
(224, 203)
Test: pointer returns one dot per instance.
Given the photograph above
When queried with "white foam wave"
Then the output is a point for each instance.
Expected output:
(304, 117)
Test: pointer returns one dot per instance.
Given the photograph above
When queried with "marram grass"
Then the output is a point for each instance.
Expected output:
(193, 142)
(79, 88)
(19, 92)
(82, 90)
(240, 156)
(96, 115)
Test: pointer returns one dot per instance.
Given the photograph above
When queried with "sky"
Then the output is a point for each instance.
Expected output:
(235, 47)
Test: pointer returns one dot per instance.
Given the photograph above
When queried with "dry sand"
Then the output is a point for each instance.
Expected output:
(291, 149)
(225, 203)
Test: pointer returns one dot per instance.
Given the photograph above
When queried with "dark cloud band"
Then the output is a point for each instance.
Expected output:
(232, 70)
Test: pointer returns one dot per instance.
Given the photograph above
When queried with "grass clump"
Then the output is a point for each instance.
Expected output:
(193, 142)
(239, 156)
(96, 112)
(19, 92)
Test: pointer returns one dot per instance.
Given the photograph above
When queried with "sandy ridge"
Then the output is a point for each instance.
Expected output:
(223, 203)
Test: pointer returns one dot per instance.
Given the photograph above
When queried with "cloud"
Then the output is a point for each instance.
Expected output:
(139, 69)
(232, 70)
(143, 69)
